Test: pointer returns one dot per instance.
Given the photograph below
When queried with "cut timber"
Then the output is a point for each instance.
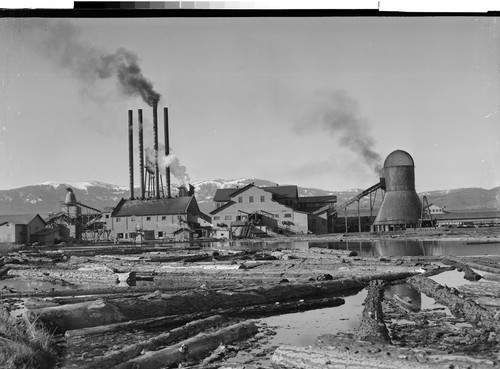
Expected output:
(163, 339)
(116, 310)
(458, 306)
(193, 349)
(372, 327)
(361, 355)
(171, 321)
(90, 314)
(469, 274)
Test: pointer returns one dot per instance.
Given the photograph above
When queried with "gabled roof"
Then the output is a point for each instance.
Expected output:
(290, 191)
(181, 230)
(242, 189)
(223, 194)
(19, 218)
(176, 205)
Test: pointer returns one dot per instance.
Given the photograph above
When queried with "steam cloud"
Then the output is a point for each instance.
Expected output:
(340, 115)
(166, 161)
(59, 42)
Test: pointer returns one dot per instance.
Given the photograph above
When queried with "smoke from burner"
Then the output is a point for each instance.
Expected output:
(164, 161)
(340, 115)
(59, 41)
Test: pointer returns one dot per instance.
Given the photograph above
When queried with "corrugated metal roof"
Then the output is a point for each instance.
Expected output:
(18, 218)
(398, 158)
(176, 205)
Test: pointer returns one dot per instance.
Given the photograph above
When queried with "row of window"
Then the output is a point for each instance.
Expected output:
(230, 217)
(134, 235)
(251, 199)
(148, 219)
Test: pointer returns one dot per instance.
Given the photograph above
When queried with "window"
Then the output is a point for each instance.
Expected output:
(107, 216)
(119, 235)
(288, 215)
(240, 199)
(276, 215)
(148, 219)
(262, 199)
(132, 235)
(126, 235)
(250, 199)
(117, 220)
(163, 217)
(228, 217)
(132, 219)
(217, 217)
(160, 234)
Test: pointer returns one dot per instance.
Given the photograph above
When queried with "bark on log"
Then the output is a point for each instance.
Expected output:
(117, 310)
(177, 320)
(469, 274)
(89, 314)
(459, 306)
(372, 327)
(193, 349)
(164, 339)
(355, 355)
(476, 264)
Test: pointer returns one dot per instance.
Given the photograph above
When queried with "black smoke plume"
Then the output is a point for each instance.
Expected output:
(59, 41)
(340, 115)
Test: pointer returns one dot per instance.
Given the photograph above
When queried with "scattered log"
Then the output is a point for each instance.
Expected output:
(469, 274)
(108, 311)
(477, 263)
(372, 327)
(348, 353)
(458, 305)
(164, 339)
(437, 271)
(193, 349)
(172, 321)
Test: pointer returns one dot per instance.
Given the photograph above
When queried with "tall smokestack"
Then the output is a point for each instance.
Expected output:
(141, 155)
(155, 139)
(131, 152)
(167, 149)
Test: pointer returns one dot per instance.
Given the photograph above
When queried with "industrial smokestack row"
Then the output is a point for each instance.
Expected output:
(141, 152)
(401, 207)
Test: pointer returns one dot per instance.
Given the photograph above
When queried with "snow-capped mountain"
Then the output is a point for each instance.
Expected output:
(48, 196)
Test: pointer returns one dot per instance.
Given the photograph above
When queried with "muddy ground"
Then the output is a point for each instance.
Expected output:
(169, 306)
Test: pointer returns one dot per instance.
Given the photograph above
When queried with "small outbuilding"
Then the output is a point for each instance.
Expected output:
(20, 228)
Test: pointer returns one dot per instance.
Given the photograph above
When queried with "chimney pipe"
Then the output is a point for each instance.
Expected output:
(167, 150)
(155, 139)
(141, 155)
(131, 152)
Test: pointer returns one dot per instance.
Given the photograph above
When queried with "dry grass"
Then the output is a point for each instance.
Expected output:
(24, 344)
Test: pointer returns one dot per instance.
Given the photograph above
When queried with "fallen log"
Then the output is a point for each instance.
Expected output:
(372, 327)
(360, 355)
(437, 271)
(469, 274)
(157, 304)
(108, 311)
(475, 263)
(193, 349)
(164, 339)
(458, 305)
(167, 322)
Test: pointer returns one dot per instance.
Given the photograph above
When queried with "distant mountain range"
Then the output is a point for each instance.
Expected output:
(48, 197)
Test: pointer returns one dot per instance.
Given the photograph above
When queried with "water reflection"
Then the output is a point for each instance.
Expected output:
(373, 248)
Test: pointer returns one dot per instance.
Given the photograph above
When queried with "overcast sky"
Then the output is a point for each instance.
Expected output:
(318, 102)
